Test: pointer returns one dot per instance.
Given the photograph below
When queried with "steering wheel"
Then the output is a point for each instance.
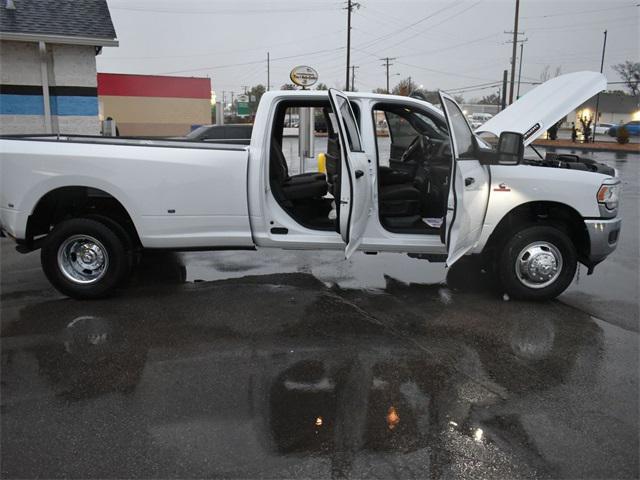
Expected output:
(417, 143)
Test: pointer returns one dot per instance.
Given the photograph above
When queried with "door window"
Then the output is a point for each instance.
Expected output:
(461, 131)
(351, 126)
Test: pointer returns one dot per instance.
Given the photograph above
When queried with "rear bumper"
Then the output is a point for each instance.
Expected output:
(10, 222)
(604, 235)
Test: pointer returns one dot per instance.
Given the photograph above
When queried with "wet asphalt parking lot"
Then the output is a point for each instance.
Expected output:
(276, 364)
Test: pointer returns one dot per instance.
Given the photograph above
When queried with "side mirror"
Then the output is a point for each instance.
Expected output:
(510, 148)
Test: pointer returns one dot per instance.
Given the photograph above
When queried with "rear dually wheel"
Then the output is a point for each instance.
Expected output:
(84, 258)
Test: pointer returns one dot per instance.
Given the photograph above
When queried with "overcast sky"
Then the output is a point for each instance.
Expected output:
(440, 44)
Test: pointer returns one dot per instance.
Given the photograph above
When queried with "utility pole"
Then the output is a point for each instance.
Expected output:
(268, 74)
(353, 77)
(350, 6)
(387, 64)
(245, 88)
(513, 54)
(503, 103)
(520, 67)
(595, 120)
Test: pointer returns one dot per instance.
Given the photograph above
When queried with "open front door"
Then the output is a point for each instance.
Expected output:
(469, 192)
(356, 174)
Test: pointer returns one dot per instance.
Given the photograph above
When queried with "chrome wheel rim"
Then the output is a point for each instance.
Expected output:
(83, 259)
(539, 264)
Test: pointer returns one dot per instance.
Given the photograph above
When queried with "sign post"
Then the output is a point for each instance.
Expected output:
(305, 77)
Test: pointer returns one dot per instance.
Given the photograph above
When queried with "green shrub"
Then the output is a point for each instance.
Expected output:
(623, 135)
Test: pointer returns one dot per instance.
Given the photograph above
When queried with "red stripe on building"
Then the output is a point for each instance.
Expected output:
(119, 84)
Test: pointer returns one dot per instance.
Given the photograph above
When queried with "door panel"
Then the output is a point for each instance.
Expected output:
(356, 176)
(469, 193)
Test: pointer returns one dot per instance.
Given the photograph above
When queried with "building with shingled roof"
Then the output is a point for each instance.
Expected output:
(48, 48)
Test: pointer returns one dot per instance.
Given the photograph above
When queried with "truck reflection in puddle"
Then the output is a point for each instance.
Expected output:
(278, 375)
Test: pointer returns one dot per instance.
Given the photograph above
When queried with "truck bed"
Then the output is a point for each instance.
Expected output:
(178, 193)
(131, 141)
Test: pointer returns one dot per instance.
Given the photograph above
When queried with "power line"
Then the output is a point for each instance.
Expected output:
(395, 32)
(573, 13)
(232, 11)
(452, 74)
(435, 25)
(582, 25)
(208, 54)
(489, 84)
(451, 47)
(253, 62)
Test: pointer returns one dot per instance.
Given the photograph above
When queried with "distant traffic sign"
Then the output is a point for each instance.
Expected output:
(242, 107)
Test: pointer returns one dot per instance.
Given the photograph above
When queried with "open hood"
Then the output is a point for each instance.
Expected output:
(536, 111)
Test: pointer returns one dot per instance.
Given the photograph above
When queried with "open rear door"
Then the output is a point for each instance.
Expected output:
(356, 174)
(469, 192)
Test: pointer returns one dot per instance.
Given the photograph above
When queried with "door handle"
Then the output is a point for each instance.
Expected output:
(469, 181)
(359, 173)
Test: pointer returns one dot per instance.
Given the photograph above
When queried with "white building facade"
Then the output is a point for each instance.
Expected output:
(48, 80)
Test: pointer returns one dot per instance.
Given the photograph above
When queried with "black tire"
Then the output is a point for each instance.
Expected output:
(102, 281)
(550, 238)
(122, 233)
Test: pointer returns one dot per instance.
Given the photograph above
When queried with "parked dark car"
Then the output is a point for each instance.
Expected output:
(232, 133)
(633, 128)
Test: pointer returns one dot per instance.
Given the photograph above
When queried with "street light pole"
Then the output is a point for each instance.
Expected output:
(595, 120)
(520, 69)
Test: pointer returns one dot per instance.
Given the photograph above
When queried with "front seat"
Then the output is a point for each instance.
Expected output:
(297, 187)
(399, 200)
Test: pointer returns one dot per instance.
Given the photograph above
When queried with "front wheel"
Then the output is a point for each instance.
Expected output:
(84, 259)
(537, 263)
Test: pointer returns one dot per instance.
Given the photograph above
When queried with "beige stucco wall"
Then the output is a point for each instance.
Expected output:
(155, 116)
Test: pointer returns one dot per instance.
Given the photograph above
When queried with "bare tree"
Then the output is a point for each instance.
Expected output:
(630, 73)
(547, 75)
(491, 99)
(405, 87)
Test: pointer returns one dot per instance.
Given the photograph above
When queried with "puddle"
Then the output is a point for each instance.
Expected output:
(363, 272)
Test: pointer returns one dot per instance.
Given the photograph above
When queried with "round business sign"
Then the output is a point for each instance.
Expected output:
(303, 76)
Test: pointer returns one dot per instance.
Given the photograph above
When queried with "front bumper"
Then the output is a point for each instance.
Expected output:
(603, 237)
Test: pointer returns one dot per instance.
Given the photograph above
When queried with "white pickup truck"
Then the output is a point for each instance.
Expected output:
(432, 188)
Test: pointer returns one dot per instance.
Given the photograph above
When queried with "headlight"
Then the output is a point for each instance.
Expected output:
(609, 195)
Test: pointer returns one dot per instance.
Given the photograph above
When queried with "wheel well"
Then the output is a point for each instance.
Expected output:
(72, 202)
(556, 214)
